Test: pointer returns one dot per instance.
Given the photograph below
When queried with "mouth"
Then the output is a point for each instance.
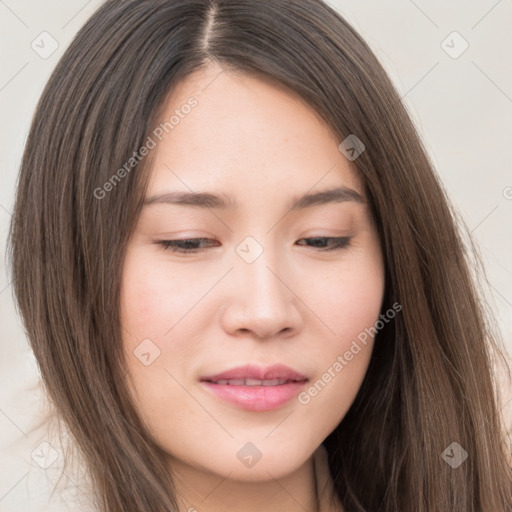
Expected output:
(252, 382)
(254, 388)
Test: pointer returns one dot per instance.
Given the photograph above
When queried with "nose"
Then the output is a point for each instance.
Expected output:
(260, 300)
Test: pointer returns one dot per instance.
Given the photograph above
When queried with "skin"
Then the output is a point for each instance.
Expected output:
(211, 310)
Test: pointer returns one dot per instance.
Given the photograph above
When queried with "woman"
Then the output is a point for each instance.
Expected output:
(241, 277)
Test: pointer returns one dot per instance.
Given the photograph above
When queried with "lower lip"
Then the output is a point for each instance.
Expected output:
(256, 398)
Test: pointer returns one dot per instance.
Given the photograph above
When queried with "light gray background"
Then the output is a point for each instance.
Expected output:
(461, 106)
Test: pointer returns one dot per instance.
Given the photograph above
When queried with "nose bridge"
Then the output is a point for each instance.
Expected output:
(258, 267)
(258, 300)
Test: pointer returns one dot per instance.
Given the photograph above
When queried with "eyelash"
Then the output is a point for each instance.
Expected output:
(173, 245)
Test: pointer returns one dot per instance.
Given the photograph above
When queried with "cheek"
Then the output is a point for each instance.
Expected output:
(348, 301)
(150, 305)
(347, 298)
(355, 303)
(149, 311)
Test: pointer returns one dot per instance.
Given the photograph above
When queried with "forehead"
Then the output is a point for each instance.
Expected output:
(244, 134)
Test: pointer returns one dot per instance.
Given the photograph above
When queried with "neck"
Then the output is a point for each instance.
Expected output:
(202, 491)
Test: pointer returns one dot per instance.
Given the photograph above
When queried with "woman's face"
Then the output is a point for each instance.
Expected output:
(273, 280)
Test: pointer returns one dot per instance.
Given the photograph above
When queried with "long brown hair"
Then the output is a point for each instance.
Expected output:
(429, 383)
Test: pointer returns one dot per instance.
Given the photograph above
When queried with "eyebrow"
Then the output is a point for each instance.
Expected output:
(209, 200)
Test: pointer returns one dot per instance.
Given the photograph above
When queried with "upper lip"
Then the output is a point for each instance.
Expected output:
(277, 371)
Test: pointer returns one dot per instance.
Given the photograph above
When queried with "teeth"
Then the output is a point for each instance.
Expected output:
(252, 382)
(236, 382)
(256, 382)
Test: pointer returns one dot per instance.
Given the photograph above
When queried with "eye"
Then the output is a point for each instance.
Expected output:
(186, 245)
(194, 245)
(319, 242)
